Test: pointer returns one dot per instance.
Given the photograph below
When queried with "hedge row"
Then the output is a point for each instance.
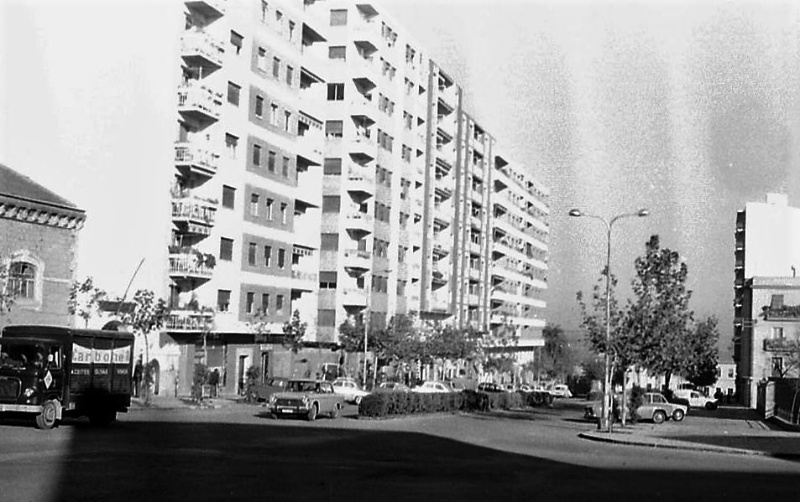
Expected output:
(382, 404)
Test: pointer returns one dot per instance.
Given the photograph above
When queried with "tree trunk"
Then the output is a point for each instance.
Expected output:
(147, 369)
(667, 377)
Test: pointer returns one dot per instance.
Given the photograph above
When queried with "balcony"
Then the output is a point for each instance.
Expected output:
(438, 305)
(473, 299)
(474, 247)
(304, 281)
(444, 187)
(362, 145)
(361, 179)
(210, 9)
(194, 213)
(364, 72)
(359, 222)
(445, 155)
(199, 49)
(367, 35)
(474, 273)
(361, 108)
(354, 297)
(440, 247)
(199, 102)
(189, 264)
(780, 345)
(189, 321)
(357, 260)
(191, 159)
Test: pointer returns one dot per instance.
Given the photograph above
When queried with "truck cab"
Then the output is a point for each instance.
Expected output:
(52, 372)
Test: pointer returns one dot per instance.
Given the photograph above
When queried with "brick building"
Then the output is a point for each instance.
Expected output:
(38, 250)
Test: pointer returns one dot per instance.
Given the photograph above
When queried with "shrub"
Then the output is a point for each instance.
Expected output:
(381, 404)
(536, 398)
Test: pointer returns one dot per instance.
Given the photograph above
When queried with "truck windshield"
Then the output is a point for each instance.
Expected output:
(27, 356)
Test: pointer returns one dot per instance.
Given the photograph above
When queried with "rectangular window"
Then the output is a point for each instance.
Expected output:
(284, 213)
(281, 258)
(289, 75)
(251, 254)
(329, 242)
(327, 280)
(331, 203)
(285, 167)
(332, 166)
(337, 52)
(251, 299)
(261, 59)
(270, 208)
(276, 67)
(264, 11)
(326, 317)
(335, 92)
(338, 17)
(259, 111)
(223, 300)
(265, 303)
(271, 161)
(777, 333)
(291, 30)
(233, 93)
(273, 117)
(287, 123)
(267, 256)
(226, 249)
(254, 204)
(279, 303)
(228, 196)
(256, 155)
(231, 142)
(236, 42)
(278, 16)
(334, 128)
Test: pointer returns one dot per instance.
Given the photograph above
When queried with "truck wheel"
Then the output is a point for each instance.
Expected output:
(659, 416)
(312, 413)
(678, 415)
(47, 418)
(102, 418)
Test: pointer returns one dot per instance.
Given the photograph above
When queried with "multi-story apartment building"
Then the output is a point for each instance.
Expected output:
(767, 250)
(325, 165)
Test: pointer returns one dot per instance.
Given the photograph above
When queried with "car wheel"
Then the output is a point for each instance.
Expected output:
(711, 405)
(678, 415)
(335, 412)
(659, 416)
(357, 400)
(47, 418)
(312, 413)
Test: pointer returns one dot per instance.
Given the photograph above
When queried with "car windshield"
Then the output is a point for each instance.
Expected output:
(301, 386)
(28, 355)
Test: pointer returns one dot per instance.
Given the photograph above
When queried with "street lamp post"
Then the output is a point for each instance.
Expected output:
(605, 420)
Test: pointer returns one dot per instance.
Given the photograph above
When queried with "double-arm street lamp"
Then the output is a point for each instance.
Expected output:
(605, 420)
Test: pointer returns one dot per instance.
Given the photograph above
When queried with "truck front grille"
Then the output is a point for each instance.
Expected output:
(9, 388)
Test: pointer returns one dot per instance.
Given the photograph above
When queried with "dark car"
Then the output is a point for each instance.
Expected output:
(263, 391)
(490, 387)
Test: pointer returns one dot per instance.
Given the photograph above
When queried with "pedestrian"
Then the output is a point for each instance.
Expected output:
(213, 381)
(137, 377)
(718, 395)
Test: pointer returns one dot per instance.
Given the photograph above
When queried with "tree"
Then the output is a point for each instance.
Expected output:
(149, 314)
(557, 356)
(660, 317)
(84, 299)
(701, 365)
(293, 332)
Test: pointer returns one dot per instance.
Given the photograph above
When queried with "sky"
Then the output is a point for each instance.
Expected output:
(689, 109)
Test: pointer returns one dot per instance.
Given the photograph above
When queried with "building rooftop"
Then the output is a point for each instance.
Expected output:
(17, 186)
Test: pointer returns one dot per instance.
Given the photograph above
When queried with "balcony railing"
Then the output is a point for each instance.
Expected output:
(357, 259)
(781, 345)
(194, 210)
(188, 264)
(197, 159)
(189, 321)
(199, 48)
(790, 312)
(199, 101)
(354, 296)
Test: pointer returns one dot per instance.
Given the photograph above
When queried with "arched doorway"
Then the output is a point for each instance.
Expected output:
(156, 369)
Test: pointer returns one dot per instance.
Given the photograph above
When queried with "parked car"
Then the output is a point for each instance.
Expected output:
(489, 387)
(263, 391)
(560, 390)
(654, 407)
(349, 389)
(393, 387)
(432, 387)
(696, 399)
(308, 398)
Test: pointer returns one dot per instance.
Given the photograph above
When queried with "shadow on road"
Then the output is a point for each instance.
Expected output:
(161, 460)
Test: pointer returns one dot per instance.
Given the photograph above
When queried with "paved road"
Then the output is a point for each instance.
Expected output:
(236, 453)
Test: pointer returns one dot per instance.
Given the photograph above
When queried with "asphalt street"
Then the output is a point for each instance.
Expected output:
(238, 452)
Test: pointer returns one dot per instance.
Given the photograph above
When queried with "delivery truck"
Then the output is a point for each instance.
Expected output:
(52, 372)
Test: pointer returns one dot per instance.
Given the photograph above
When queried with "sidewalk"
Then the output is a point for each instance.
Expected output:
(177, 403)
(726, 430)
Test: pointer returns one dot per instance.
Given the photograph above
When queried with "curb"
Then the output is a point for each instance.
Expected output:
(677, 445)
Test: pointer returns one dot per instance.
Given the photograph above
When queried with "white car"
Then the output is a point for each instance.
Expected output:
(696, 399)
(432, 388)
(560, 390)
(349, 389)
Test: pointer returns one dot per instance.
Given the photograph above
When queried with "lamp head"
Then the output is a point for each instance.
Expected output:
(575, 212)
(643, 212)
